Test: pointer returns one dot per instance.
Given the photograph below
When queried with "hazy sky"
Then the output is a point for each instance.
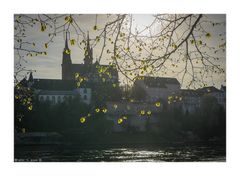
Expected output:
(50, 66)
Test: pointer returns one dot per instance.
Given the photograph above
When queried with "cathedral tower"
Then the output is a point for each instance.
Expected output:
(66, 62)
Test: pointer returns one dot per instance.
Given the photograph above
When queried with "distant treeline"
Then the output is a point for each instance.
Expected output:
(208, 122)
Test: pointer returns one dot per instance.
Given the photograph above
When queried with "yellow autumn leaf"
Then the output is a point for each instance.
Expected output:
(95, 27)
(68, 51)
(157, 104)
(30, 107)
(72, 41)
(82, 119)
(142, 112)
(120, 120)
(76, 75)
(97, 110)
(43, 27)
(149, 113)
(104, 110)
(68, 19)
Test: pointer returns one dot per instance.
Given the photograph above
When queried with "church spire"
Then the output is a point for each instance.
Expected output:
(66, 61)
(66, 43)
(88, 52)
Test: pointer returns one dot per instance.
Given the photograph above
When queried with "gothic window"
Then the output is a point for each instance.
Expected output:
(64, 98)
(85, 91)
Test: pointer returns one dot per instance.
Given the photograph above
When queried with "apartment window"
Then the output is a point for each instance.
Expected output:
(41, 98)
(53, 100)
(59, 99)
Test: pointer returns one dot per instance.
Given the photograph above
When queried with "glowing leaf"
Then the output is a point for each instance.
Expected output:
(157, 104)
(76, 75)
(114, 85)
(30, 107)
(82, 119)
(142, 112)
(104, 110)
(124, 117)
(23, 130)
(78, 84)
(89, 115)
(97, 110)
(68, 51)
(115, 106)
(46, 45)
(149, 113)
(120, 120)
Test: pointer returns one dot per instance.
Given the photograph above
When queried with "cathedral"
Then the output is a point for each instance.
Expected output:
(93, 78)
(91, 71)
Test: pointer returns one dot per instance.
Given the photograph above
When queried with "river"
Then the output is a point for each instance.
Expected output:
(157, 153)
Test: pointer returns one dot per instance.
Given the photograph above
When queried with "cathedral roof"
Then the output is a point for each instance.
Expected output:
(159, 82)
(56, 84)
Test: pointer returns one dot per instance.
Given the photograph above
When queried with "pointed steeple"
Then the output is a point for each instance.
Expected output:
(66, 61)
(30, 78)
(88, 43)
(66, 42)
(88, 52)
(66, 52)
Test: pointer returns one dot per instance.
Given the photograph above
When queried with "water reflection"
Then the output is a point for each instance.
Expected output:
(126, 154)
